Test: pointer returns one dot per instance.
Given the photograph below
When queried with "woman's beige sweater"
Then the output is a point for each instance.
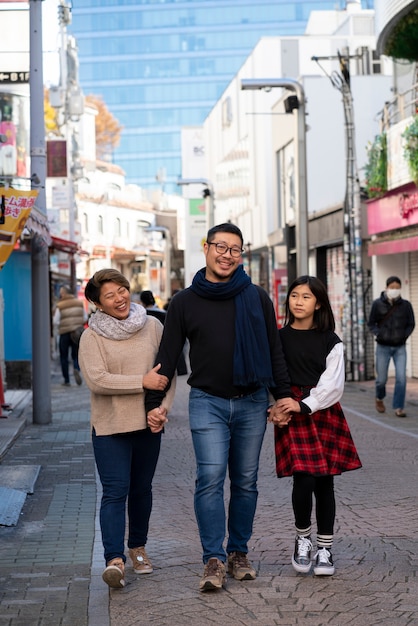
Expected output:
(113, 371)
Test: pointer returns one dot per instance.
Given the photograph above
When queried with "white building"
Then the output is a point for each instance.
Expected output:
(250, 146)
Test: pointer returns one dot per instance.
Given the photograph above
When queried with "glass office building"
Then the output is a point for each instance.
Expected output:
(162, 64)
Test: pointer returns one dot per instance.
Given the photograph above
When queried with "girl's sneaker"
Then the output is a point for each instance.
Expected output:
(323, 563)
(301, 559)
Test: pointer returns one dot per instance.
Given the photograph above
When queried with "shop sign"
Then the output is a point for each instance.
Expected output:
(56, 158)
(393, 211)
(14, 77)
(15, 210)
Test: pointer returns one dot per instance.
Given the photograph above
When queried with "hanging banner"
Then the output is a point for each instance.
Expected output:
(15, 208)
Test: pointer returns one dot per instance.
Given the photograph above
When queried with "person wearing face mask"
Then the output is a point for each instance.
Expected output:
(391, 321)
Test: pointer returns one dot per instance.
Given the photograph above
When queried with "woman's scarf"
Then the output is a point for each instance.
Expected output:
(252, 362)
(111, 328)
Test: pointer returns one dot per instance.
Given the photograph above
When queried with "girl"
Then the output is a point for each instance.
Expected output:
(312, 439)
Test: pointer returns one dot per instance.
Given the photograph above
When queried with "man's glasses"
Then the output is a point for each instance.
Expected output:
(222, 248)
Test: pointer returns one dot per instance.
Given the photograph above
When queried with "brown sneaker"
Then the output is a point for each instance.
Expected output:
(239, 566)
(114, 573)
(140, 560)
(400, 413)
(214, 575)
(380, 407)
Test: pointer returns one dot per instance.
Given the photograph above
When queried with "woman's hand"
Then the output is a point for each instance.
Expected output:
(153, 380)
(156, 419)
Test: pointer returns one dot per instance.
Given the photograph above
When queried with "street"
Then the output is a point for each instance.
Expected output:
(51, 561)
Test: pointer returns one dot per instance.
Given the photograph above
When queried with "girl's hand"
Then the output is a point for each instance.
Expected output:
(287, 405)
(278, 418)
(153, 380)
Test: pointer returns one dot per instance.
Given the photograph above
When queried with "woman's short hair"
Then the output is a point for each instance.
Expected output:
(109, 275)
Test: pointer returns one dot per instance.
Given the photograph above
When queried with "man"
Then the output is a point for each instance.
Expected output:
(69, 316)
(391, 320)
(235, 358)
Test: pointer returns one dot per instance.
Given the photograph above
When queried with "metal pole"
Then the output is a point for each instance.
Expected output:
(302, 241)
(41, 311)
(302, 237)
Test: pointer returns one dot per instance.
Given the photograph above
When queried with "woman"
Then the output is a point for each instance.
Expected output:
(117, 353)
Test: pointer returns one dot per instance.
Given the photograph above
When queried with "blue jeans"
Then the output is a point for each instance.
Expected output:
(383, 356)
(65, 344)
(126, 464)
(226, 434)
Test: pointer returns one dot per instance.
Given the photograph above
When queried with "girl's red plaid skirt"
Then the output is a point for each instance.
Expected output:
(318, 444)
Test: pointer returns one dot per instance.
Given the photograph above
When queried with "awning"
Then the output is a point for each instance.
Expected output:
(70, 247)
(114, 252)
(395, 246)
(37, 224)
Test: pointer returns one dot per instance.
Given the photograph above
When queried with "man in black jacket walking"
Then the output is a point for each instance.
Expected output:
(236, 358)
(391, 320)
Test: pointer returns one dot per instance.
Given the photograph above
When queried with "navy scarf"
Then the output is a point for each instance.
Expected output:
(252, 362)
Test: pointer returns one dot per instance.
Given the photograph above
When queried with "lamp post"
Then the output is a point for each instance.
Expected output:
(207, 193)
(165, 232)
(302, 240)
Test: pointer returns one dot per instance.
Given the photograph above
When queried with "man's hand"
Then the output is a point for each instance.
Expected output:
(156, 419)
(153, 380)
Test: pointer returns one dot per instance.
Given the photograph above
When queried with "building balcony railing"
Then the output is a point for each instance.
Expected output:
(404, 105)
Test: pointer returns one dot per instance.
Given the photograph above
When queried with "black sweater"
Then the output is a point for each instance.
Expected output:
(209, 325)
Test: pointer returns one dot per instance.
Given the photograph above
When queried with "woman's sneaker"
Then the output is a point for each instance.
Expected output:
(301, 559)
(114, 574)
(323, 563)
(140, 560)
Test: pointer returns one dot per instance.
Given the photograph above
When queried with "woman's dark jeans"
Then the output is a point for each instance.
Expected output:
(126, 464)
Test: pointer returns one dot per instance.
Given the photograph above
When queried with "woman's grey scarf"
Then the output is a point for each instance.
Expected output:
(111, 328)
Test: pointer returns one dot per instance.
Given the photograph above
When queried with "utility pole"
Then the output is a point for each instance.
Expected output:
(353, 314)
(69, 99)
(41, 309)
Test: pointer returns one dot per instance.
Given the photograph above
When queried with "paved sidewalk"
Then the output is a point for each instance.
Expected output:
(51, 561)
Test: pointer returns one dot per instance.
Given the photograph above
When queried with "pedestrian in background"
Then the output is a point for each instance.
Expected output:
(69, 318)
(148, 301)
(391, 321)
(235, 358)
(117, 354)
(312, 438)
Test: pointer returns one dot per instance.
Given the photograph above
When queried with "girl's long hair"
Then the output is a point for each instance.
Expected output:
(323, 317)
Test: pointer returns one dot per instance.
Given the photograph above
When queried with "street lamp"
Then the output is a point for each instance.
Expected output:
(207, 193)
(298, 103)
(166, 235)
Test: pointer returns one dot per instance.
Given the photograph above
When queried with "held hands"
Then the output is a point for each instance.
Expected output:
(153, 380)
(157, 418)
(280, 413)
